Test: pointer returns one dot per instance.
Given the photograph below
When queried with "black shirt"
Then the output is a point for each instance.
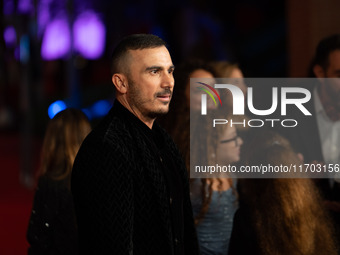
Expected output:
(167, 166)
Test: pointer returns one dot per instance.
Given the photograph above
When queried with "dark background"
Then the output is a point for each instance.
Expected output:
(266, 38)
(251, 33)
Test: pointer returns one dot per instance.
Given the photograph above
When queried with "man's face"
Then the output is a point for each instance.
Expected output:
(333, 70)
(330, 87)
(150, 82)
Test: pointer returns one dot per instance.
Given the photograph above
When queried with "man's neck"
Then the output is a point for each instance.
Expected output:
(147, 121)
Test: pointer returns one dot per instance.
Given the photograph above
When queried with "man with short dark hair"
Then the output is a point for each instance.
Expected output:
(317, 137)
(129, 182)
(326, 60)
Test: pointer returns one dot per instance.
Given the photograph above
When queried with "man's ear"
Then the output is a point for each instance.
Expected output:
(318, 71)
(120, 82)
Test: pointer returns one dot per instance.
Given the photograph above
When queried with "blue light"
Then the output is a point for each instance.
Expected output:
(56, 107)
(24, 49)
(87, 112)
(100, 108)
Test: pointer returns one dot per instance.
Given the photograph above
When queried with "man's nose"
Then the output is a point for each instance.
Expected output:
(168, 80)
(240, 140)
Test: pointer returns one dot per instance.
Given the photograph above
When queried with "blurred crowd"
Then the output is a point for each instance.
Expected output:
(231, 216)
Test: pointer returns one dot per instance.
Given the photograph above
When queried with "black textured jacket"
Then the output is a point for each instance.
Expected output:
(52, 225)
(120, 193)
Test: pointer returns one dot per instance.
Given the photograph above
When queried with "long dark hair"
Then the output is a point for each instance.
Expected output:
(287, 214)
(177, 121)
(205, 139)
(63, 137)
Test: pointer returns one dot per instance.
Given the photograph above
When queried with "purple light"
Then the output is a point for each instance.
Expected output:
(89, 35)
(17, 53)
(8, 7)
(56, 41)
(25, 6)
(43, 15)
(10, 36)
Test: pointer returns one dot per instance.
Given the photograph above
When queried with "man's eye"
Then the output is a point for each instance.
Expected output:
(155, 71)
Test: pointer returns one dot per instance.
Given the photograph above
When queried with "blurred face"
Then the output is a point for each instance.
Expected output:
(236, 78)
(237, 73)
(330, 88)
(194, 95)
(229, 145)
(333, 70)
(150, 82)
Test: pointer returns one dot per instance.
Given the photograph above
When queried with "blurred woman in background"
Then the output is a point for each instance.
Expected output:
(177, 121)
(52, 226)
(214, 197)
(214, 200)
(279, 216)
(225, 69)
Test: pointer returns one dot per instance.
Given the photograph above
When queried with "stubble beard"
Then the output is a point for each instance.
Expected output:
(137, 102)
(333, 95)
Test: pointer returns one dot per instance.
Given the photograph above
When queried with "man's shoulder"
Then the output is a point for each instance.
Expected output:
(110, 131)
(108, 140)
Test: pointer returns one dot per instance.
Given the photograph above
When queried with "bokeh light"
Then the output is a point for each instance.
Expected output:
(56, 41)
(89, 35)
(56, 107)
(10, 36)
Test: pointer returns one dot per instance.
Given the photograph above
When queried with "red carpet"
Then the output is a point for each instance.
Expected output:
(15, 200)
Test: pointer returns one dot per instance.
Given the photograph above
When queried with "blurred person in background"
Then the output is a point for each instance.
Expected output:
(231, 73)
(225, 69)
(317, 137)
(52, 226)
(214, 200)
(177, 121)
(281, 215)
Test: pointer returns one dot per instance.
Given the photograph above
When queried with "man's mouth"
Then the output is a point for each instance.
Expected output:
(165, 97)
